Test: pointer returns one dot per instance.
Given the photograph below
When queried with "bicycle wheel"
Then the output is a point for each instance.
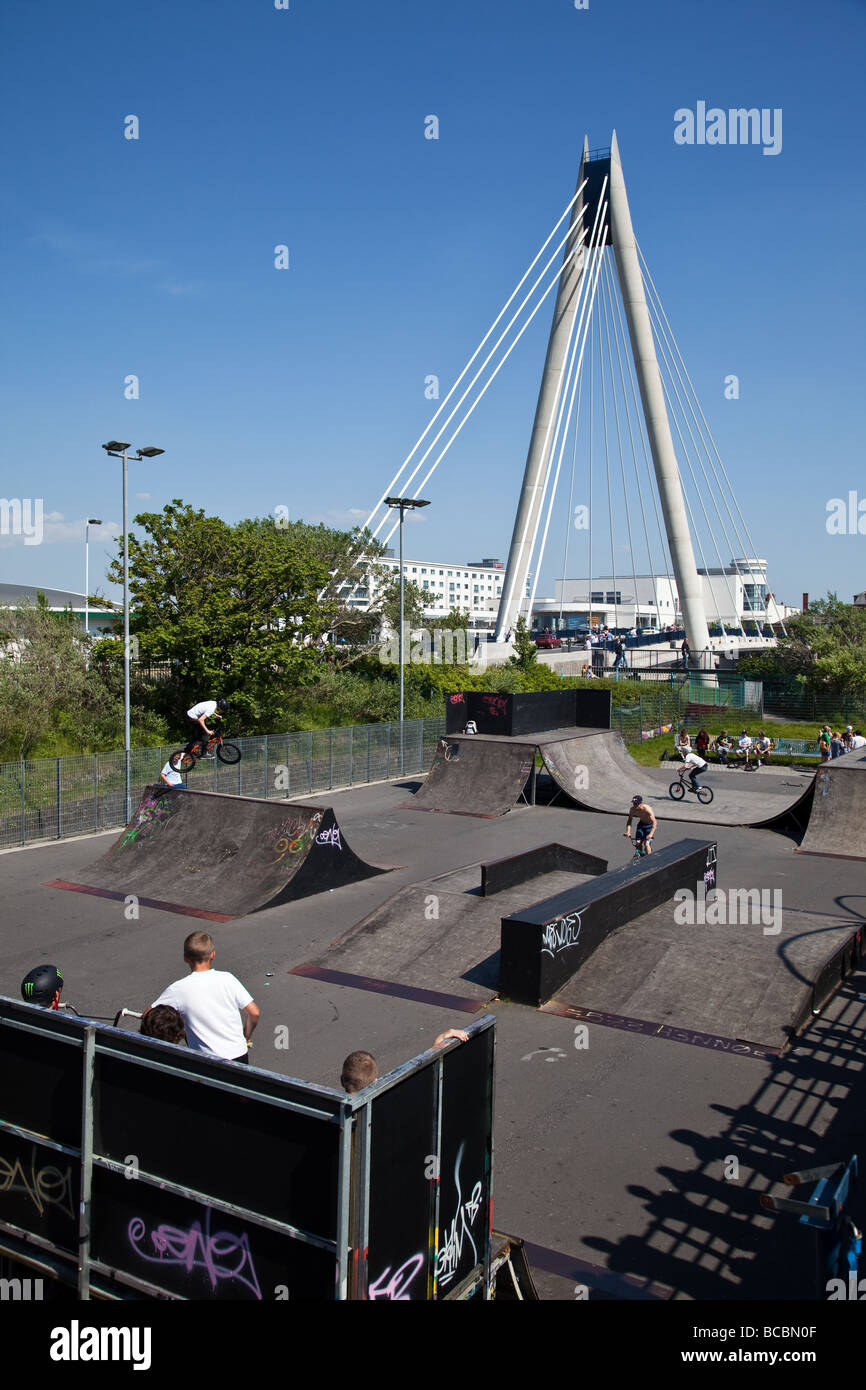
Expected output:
(705, 794)
(228, 753)
(677, 790)
(181, 761)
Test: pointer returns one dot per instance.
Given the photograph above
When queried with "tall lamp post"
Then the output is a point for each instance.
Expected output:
(117, 449)
(91, 521)
(405, 504)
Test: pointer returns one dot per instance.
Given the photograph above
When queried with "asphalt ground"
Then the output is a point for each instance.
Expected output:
(630, 1163)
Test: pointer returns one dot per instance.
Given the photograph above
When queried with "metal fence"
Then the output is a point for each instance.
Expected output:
(51, 798)
(680, 703)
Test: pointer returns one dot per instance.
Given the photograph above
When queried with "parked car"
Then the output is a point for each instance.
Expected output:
(548, 640)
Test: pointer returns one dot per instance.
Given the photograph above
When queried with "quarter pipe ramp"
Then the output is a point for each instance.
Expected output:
(221, 857)
(483, 775)
(837, 825)
(476, 776)
(599, 773)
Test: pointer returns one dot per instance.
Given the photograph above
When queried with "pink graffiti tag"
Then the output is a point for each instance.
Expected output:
(222, 1254)
(152, 815)
(495, 704)
(397, 1285)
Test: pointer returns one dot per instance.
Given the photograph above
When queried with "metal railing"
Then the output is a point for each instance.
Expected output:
(51, 798)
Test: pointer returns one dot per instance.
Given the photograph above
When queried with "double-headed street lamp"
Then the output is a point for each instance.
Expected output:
(405, 504)
(91, 521)
(115, 448)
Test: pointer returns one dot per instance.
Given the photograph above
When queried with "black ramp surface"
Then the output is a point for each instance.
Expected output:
(726, 978)
(543, 945)
(837, 825)
(475, 776)
(438, 935)
(225, 854)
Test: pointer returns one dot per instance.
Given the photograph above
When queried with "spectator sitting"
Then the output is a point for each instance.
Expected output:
(744, 744)
(359, 1070)
(722, 746)
(165, 1023)
(763, 748)
(684, 744)
(42, 985)
(702, 742)
(857, 740)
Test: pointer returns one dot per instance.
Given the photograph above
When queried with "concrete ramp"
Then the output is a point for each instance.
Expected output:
(599, 774)
(476, 776)
(837, 825)
(219, 857)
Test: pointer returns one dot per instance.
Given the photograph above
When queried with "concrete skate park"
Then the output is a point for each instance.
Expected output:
(627, 1089)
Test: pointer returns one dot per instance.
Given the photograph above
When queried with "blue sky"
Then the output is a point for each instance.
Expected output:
(305, 388)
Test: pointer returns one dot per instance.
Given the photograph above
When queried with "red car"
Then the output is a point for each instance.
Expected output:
(548, 640)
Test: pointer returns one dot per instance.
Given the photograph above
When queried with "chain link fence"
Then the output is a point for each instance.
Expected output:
(51, 798)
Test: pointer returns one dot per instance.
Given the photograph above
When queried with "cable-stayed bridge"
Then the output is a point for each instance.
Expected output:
(657, 537)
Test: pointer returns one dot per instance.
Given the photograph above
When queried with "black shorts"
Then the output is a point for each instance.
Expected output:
(642, 831)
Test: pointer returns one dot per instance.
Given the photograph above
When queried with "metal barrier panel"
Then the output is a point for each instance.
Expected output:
(133, 1168)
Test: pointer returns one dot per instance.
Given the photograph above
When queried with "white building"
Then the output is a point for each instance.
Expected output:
(475, 587)
(101, 616)
(732, 595)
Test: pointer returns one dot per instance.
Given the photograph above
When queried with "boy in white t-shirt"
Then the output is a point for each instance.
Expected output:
(218, 1013)
(170, 777)
(695, 764)
(200, 714)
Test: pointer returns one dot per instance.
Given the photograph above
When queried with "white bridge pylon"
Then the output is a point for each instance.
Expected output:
(615, 229)
(602, 315)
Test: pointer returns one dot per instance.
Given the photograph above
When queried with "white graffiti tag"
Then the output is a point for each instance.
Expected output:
(329, 837)
(449, 1253)
(559, 935)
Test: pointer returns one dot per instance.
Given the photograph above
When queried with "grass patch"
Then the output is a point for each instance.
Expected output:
(650, 752)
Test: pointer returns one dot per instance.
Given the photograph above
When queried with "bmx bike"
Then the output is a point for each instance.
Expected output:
(185, 758)
(678, 789)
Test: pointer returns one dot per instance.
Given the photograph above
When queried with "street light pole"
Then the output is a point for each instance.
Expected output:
(116, 449)
(404, 504)
(91, 521)
(127, 735)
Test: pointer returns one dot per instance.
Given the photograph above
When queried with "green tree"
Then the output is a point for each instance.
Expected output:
(54, 697)
(234, 609)
(457, 620)
(825, 647)
(525, 650)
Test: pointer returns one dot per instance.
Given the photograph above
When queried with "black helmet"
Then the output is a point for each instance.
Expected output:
(636, 799)
(41, 985)
(222, 706)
